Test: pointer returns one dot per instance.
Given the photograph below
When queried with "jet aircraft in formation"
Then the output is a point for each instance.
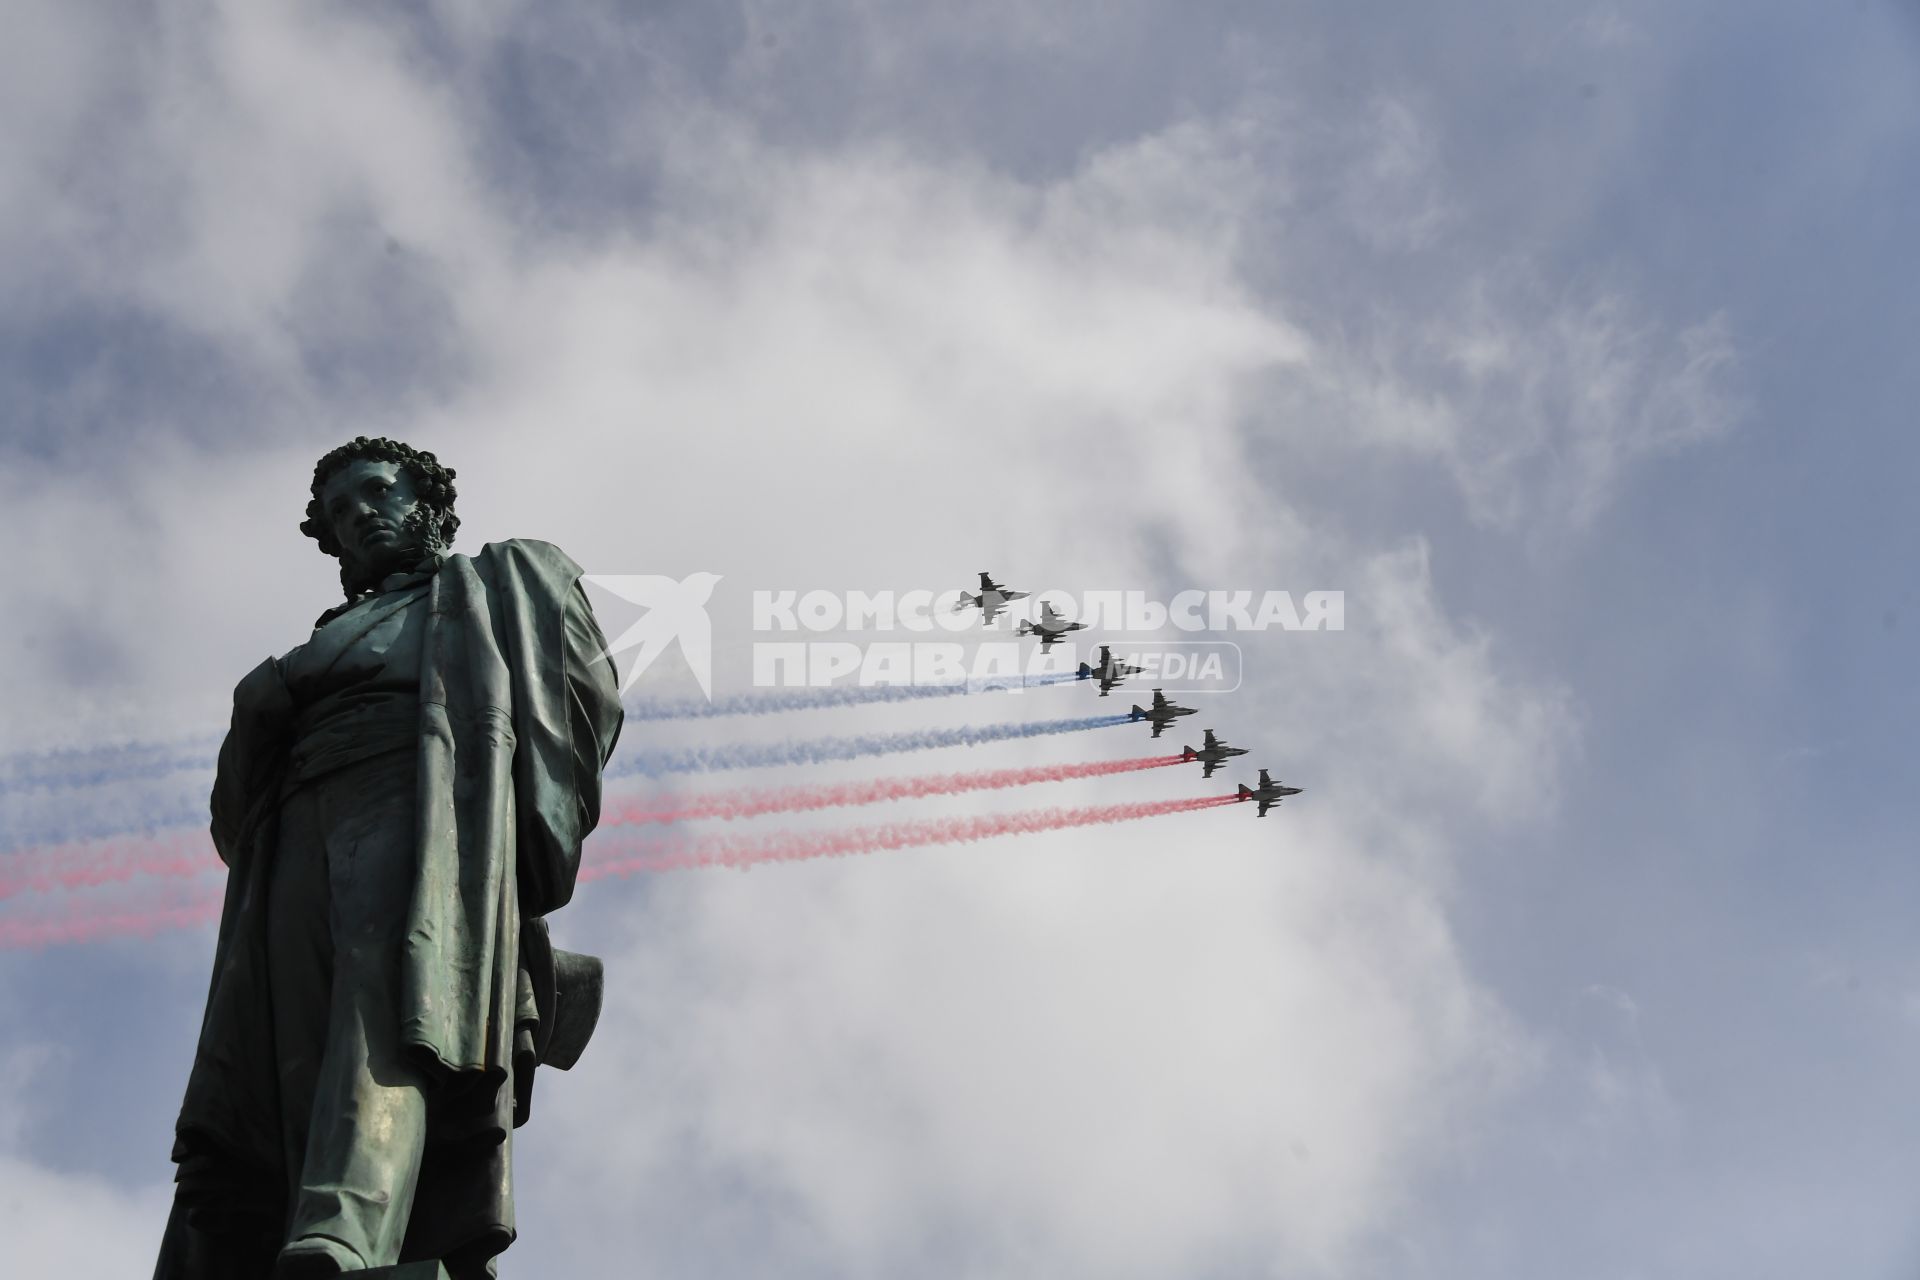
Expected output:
(992, 599)
(1212, 754)
(1108, 672)
(1162, 712)
(1050, 627)
(1269, 793)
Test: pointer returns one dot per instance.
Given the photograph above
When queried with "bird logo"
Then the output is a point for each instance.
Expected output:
(675, 611)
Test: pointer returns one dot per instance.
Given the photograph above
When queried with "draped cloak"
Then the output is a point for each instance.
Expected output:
(519, 710)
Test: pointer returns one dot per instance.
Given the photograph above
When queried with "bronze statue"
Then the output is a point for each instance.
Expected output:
(400, 803)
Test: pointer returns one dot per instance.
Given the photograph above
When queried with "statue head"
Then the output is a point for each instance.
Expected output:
(380, 506)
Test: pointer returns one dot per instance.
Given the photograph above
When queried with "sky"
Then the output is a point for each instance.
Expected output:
(1566, 340)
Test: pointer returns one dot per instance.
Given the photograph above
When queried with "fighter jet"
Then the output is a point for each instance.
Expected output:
(1109, 672)
(1212, 755)
(1162, 712)
(992, 599)
(1269, 793)
(1050, 627)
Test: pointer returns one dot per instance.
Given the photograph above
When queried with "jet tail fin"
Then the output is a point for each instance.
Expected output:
(1138, 713)
(1245, 791)
(1085, 671)
(965, 601)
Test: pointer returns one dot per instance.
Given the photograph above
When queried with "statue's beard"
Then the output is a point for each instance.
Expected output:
(419, 538)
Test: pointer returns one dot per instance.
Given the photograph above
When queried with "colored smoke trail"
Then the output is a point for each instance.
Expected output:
(119, 817)
(771, 701)
(728, 850)
(72, 767)
(629, 857)
(763, 755)
(68, 769)
(91, 863)
(23, 831)
(20, 933)
(749, 804)
(83, 864)
(88, 864)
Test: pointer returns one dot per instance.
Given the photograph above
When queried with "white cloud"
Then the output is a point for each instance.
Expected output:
(1141, 1054)
(1394, 188)
(1625, 1085)
(78, 1224)
(1538, 407)
(67, 1223)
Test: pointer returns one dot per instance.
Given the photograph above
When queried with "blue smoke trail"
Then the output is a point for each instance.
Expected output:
(762, 755)
(72, 768)
(769, 701)
(102, 817)
(96, 766)
(50, 819)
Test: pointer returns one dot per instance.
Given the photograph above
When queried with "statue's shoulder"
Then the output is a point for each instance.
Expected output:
(263, 690)
(529, 558)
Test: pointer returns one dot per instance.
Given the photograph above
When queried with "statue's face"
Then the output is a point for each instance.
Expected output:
(367, 503)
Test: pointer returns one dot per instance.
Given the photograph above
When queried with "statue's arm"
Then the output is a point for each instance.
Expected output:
(593, 692)
(567, 712)
(593, 717)
(252, 757)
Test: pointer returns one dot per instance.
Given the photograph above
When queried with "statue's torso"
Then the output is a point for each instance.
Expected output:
(355, 684)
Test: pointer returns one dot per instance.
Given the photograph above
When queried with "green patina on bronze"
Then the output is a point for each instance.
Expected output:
(400, 803)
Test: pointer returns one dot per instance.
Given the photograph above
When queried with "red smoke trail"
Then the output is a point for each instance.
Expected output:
(673, 854)
(21, 933)
(84, 864)
(748, 804)
(724, 850)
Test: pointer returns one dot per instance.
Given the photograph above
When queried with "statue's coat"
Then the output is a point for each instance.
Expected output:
(519, 710)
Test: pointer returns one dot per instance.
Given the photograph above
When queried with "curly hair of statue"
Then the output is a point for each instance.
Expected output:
(434, 522)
